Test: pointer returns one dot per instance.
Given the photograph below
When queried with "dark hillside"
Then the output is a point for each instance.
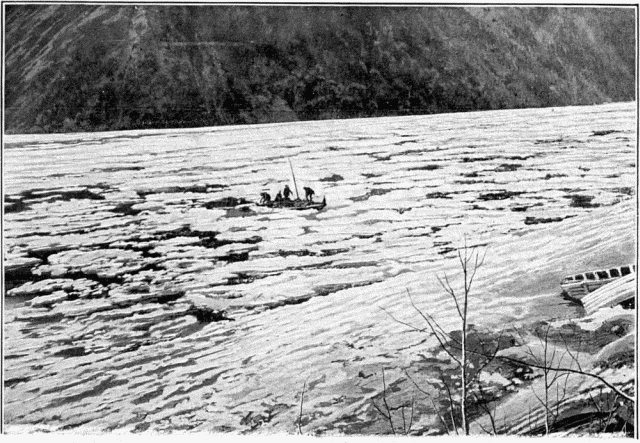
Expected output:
(83, 68)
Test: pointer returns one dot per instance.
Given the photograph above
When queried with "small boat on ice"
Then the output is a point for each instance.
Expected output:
(285, 202)
(296, 204)
(579, 285)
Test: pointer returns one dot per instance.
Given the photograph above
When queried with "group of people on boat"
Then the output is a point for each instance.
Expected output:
(285, 195)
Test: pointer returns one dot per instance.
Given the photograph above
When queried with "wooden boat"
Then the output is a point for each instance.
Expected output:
(297, 204)
(579, 285)
(622, 291)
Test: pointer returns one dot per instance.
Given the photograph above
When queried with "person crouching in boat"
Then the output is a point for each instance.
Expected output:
(279, 197)
(265, 198)
(287, 192)
(308, 194)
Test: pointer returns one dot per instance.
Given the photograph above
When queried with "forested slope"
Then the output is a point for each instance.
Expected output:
(84, 68)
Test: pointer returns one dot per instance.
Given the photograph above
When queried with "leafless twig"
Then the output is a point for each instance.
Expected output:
(301, 403)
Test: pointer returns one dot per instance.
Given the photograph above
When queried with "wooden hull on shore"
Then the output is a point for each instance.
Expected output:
(579, 285)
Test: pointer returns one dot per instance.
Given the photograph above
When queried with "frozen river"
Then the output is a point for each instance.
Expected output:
(138, 296)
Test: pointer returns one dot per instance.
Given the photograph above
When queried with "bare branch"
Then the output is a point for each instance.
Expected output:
(380, 410)
(563, 369)
(301, 403)
(416, 385)
(575, 358)
(453, 420)
(431, 323)
(411, 418)
(475, 268)
(612, 411)
(386, 405)
(486, 363)
(451, 292)
(401, 322)
(406, 429)
(572, 371)
(435, 408)
(480, 402)
(483, 428)
(517, 331)
(524, 343)
(428, 318)
(463, 261)
(445, 284)
(492, 356)
(541, 401)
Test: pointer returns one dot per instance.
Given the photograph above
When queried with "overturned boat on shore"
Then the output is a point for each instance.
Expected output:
(579, 285)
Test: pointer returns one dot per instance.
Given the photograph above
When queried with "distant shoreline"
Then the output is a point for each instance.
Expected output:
(312, 121)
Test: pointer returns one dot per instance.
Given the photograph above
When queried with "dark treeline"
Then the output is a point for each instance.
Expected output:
(85, 68)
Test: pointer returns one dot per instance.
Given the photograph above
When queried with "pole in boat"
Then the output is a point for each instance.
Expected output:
(294, 179)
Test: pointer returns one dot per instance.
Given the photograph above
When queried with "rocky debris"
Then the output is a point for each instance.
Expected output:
(618, 353)
(514, 389)
(602, 343)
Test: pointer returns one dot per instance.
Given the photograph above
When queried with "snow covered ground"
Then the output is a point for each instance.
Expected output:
(135, 300)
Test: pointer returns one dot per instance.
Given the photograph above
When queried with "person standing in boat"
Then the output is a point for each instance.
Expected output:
(308, 194)
(287, 192)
